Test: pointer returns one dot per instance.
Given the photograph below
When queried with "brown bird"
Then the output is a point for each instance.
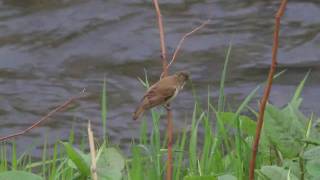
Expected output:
(161, 93)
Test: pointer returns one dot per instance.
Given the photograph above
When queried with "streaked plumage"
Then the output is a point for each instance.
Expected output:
(161, 92)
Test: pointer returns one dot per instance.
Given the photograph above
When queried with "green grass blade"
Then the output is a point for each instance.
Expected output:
(54, 163)
(207, 144)
(104, 109)
(178, 168)
(222, 81)
(77, 159)
(299, 89)
(143, 132)
(193, 160)
(136, 171)
(44, 156)
(14, 156)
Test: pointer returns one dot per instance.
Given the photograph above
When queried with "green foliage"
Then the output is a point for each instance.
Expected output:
(177, 168)
(214, 144)
(313, 153)
(313, 168)
(193, 161)
(200, 178)
(283, 129)
(275, 172)
(227, 177)
(222, 81)
(15, 175)
(78, 159)
(136, 164)
(312, 158)
(286, 127)
(110, 164)
(248, 126)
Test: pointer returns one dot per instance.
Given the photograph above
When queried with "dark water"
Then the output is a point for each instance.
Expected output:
(52, 50)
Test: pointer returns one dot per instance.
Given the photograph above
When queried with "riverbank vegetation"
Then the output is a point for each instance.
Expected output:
(289, 147)
(287, 139)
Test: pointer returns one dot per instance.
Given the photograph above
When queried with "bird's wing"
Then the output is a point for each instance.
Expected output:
(157, 95)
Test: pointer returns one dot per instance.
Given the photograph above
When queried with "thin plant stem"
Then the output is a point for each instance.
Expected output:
(92, 153)
(267, 90)
(60, 108)
(173, 59)
(165, 73)
(162, 40)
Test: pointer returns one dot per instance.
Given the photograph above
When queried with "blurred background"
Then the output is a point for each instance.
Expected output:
(52, 50)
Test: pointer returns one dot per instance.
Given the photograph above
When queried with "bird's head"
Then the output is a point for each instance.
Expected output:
(182, 76)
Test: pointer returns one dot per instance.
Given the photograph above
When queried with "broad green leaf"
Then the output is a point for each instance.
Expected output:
(283, 129)
(110, 164)
(199, 178)
(286, 127)
(313, 168)
(275, 172)
(293, 165)
(77, 158)
(227, 177)
(15, 175)
(248, 125)
(313, 153)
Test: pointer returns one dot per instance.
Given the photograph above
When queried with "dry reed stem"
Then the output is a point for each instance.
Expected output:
(92, 153)
(162, 40)
(60, 108)
(165, 73)
(267, 88)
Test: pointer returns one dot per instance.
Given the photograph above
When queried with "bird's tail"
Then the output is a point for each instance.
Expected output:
(138, 112)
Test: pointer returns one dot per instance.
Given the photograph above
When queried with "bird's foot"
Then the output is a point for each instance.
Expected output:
(167, 107)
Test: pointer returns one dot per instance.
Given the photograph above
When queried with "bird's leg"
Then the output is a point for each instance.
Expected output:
(167, 107)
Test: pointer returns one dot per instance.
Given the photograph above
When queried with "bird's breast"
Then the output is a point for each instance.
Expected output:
(174, 95)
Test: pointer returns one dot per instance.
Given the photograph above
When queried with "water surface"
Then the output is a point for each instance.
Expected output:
(50, 51)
